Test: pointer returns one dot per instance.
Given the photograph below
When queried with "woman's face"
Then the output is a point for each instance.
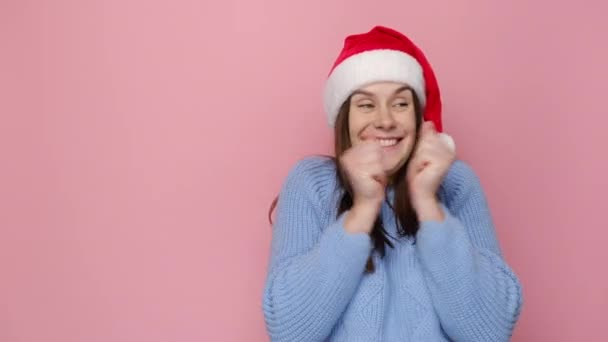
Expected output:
(384, 113)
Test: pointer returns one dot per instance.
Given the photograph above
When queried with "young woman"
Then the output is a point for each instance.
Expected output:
(391, 240)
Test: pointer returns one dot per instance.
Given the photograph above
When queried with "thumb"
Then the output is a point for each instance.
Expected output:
(428, 127)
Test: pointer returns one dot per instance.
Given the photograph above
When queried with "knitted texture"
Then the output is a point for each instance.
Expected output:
(449, 283)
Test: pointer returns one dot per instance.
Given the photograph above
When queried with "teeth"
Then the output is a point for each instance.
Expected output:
(387, 142)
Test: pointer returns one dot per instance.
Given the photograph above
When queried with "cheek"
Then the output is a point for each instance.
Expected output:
(408, 120)
(408, 145)
(355, 127)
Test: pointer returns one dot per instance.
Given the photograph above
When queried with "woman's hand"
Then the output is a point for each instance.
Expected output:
(427, 168)
(363, 165)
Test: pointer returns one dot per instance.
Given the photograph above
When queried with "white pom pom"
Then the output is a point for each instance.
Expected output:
(448, 140)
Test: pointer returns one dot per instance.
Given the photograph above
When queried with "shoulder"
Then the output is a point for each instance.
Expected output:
(461, 172)
(313, 167)
(311, 176)
(460, 181)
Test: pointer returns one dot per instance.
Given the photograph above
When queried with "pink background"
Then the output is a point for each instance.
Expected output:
(142, 142)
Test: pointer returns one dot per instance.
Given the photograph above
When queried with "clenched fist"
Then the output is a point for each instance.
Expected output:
(365, 170)
(429, 165)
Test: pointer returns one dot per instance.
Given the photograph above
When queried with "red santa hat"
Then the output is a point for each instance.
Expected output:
(383, 54)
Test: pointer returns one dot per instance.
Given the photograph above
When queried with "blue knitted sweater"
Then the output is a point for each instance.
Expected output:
(449, 283)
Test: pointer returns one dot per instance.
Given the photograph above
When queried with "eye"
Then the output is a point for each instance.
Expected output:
(365, 106)
(402, 104)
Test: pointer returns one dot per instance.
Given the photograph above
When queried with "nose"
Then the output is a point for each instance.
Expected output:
(385, 118)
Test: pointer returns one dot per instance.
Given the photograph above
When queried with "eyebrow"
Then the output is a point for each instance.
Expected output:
(367, 93)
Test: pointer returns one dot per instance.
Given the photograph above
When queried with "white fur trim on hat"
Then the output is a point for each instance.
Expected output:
(448, 140)
(368, 67)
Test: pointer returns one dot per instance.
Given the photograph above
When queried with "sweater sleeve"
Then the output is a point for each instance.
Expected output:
(475, 293)
(314, 269)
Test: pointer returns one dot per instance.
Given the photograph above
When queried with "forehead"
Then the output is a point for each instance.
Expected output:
(382, 89)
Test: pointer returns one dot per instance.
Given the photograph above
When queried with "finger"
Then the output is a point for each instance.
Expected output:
(419, 165)
(430, 146)
(414, 165)
(439, 143)
(422, 157)
(368, 146)
(371, 153)
(428, 131)
(378, 174)
(413, 168)
(378, 156)
(367, 155)
(374, 165)
(429, 153)
(428, 128)
(382, 179)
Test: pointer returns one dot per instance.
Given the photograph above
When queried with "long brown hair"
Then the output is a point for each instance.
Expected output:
(405, 215)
